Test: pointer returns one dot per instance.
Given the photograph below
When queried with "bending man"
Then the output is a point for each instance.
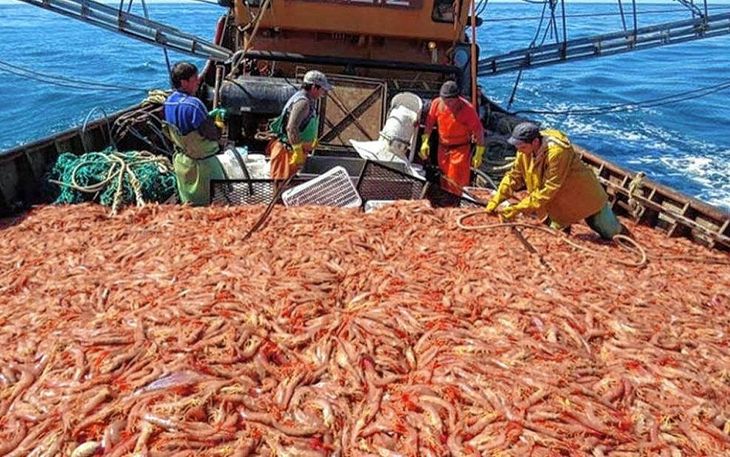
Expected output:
(196, 165)
(559, 185)
(297, 127)
(458, 126)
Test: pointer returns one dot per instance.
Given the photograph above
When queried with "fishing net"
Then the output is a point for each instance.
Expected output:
(113, 178)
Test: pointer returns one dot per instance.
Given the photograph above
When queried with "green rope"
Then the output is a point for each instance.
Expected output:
(113, 178)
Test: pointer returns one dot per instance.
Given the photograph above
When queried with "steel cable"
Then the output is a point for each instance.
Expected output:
(61, 80)
(666, 100)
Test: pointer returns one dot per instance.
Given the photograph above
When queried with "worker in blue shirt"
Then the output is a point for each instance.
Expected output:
(196, 164)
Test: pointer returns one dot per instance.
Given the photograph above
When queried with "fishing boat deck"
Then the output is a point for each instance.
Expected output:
(334, 331)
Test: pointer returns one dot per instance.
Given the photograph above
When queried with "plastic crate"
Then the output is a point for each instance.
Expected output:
(374, 182)
(334, 188)
(318, 164)
(234, 192)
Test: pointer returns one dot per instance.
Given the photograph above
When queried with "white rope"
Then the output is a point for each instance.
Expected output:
(622, 241)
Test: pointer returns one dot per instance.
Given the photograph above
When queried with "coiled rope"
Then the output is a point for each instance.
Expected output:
(134, 122)
(622, 241)
(116, 178)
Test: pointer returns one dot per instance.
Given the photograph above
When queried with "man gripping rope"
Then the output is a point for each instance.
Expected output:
(559, 185)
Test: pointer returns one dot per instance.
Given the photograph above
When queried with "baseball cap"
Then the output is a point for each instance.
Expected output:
(449, 89)
(318, 78)
(524, 132)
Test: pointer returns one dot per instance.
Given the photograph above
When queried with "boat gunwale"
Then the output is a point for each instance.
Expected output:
(712, 211)
(13, 153)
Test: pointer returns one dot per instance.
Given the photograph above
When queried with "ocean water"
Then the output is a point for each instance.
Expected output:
(685, 145)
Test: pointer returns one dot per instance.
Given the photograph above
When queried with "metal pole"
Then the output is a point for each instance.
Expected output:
(565, 28)
(636, 24)
(623, 17)
(217, 90)
(474, 98)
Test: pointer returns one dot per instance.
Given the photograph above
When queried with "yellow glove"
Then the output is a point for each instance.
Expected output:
(510, 212)
(425, 148)
(491, 205)
(476, 161)
(315, 143)
(219, 117)
(297, 156)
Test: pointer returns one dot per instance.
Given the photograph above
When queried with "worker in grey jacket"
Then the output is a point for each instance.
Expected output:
(297, 126)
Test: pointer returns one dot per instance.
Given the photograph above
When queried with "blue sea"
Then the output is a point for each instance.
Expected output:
(685, 145)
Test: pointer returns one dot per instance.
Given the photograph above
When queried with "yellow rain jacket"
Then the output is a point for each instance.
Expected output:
(558, 183)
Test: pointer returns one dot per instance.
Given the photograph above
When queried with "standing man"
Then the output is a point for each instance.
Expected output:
(559, 185)
(196, 164)
(458, 126)
(297, 127)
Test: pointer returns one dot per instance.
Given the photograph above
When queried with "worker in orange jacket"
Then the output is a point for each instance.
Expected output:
(458, 126)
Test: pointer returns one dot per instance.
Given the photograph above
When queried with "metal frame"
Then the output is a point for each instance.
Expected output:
(606, 44)
(426, 190)
(329, 131)
(349, 62)
(134, 26)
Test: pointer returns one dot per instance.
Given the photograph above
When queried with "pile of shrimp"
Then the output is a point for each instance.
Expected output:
(337, 333)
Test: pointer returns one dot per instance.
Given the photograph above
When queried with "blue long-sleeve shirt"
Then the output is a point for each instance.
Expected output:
(186, 112)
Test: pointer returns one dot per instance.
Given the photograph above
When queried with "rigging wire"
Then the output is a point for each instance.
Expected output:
(639, 13)
(482, 7)
(666, 100)
(164, 47)
(532, 44)
(623, 15)
(63, 81)
(553, 25)
(636, 18)
(565, 27)
(692, 7)
(552, 30)
(209, 2)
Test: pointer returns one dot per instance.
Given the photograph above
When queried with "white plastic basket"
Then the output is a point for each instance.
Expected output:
(333, 188)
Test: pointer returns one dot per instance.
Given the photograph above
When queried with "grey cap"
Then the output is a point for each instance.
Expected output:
(524, 132)
(318, 78)
(449, 89)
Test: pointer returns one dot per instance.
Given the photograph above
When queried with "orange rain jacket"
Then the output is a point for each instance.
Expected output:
(456, 130)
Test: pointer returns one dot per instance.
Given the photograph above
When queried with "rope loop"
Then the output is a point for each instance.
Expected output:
(622, 241)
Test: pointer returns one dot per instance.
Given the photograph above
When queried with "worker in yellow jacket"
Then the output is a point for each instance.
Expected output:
(559, 185)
